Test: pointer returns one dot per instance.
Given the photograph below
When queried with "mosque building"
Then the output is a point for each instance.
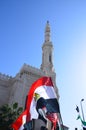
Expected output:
(15, 89)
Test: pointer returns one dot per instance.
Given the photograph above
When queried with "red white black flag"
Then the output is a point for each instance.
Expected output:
(42, 100)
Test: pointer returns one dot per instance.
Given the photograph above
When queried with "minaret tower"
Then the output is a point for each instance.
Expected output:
(47, 50)
(47, 57)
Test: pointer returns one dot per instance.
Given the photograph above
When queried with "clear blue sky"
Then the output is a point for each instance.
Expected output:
(22, 24)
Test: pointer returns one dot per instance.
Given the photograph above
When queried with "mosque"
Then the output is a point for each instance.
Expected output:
(15, 89)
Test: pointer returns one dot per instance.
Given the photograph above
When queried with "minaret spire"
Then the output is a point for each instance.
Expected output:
(47, 32)
(47, 51)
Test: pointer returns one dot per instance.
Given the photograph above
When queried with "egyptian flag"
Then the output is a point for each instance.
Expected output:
(42, 100)
(44, 89)
(46, 99)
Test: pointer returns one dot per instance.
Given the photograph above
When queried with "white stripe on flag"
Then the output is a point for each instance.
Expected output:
(21, 128)
(47, 92)
(23, 122)
(33, 111)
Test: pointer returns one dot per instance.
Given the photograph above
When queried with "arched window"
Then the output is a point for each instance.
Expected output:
(50, 59)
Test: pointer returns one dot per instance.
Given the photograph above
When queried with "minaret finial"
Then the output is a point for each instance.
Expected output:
(47, 32)
(47, 21)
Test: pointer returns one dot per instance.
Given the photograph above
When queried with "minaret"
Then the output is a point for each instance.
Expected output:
(47, 50)
(47, 57)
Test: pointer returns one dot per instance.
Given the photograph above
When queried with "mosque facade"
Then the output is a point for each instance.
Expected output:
(15, 89)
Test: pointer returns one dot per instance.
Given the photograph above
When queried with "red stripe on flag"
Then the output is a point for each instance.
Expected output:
(17, 124)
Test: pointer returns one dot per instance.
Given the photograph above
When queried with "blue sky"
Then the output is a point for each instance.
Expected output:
(22, 25)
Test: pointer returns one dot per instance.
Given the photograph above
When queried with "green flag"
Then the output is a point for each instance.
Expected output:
(82, 121)
(78, 117)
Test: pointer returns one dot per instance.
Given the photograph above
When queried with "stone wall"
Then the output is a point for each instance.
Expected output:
(15, 89)
(5, 87)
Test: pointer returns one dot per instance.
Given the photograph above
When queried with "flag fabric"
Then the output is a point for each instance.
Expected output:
(41, 96)
(21, 120)
(82, 121)
(78, 117)
(45, 89)
(53, 117)
(83, 124)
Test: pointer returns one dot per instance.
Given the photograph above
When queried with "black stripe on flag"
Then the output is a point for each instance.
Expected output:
(51, 105)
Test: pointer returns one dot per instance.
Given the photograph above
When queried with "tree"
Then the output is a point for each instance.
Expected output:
(8, 114)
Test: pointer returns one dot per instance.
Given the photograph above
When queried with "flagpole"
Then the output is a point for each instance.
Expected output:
(82, 109)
